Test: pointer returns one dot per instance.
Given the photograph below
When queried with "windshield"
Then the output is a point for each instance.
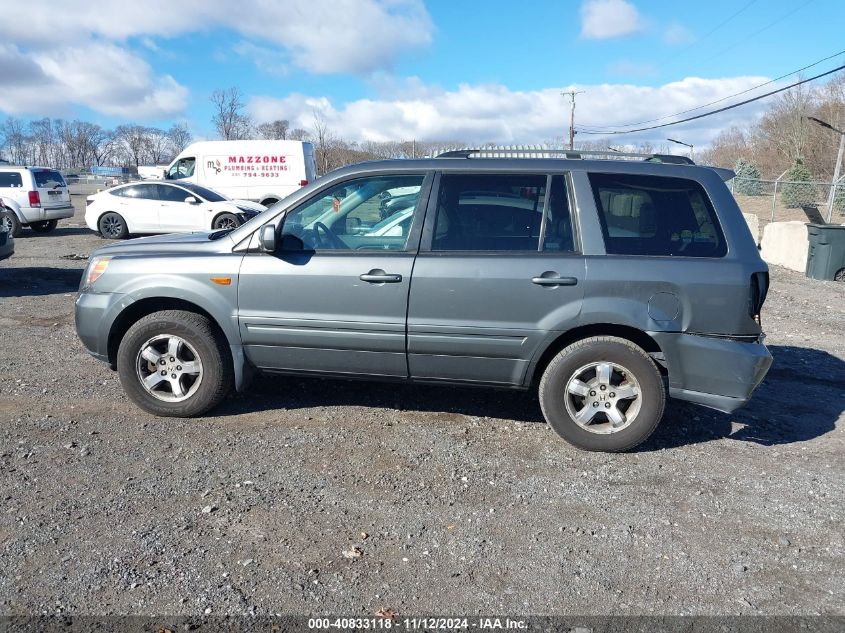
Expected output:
(203, 192)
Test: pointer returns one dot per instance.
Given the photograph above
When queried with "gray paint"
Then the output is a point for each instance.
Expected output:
(461, 317)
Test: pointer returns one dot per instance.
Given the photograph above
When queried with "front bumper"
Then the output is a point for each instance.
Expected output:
(94, 315)
(715, 372)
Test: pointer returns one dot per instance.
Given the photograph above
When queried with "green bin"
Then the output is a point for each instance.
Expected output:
(826, 255)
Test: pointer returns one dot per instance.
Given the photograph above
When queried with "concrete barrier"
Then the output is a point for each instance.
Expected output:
(753, 223)
(785, 244)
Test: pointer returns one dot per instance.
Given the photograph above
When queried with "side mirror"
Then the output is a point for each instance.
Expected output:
(191, 200)
(267, 238)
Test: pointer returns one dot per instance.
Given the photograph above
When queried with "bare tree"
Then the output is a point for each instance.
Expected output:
(158, 146)
(134, 140)
(274, 130)
(229, 117)
(298, 134)
(323, 138)
(15, 140)
(180, 137)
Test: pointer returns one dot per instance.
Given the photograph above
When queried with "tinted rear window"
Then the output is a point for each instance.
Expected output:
(10, 179)
(655, 215)
(48, 178)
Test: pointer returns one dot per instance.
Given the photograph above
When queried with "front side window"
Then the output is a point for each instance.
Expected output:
(183, 168)
(10, 179)
(501, 212)
(167, 193)
(656, 215)
(365, 214)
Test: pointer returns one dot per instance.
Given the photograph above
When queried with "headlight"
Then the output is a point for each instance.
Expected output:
(96, 269)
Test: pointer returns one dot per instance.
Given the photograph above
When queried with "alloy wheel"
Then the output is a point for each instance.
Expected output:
(169, 368)
(603, 397)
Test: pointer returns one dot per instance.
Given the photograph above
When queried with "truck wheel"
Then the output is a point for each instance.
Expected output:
(226, 221)
(10, 222)
(173, 363)
(602, 394)
(44, 227)
(112, 226)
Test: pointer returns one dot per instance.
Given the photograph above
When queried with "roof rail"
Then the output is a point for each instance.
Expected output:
(542, 152)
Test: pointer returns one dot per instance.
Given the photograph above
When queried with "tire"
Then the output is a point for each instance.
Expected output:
(269, 202)
(11, 222)
(226, 221)
(44, 227)
(200, 346)
(112, 226)
(840, 275)
(583, 368)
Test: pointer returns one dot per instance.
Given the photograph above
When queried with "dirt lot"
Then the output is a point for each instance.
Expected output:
(457, 500)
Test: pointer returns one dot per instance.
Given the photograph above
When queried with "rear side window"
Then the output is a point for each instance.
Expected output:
(501, 212)
(10, 179)
(654, 215)
(146, 191)
(48, 178)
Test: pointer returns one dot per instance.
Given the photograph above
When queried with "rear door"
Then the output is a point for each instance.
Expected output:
(138, 204)
(333, 298)
(498, 272)
(52, 188)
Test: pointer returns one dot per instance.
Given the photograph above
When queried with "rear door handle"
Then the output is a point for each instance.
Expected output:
(554, 281)
(378, 276)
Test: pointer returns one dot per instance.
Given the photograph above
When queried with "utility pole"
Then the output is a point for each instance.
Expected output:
(571, 94)
(690, 145)
(838, 164)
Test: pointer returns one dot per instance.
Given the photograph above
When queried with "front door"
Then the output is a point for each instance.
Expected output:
(498, 274)
(176, 215)
(333, 298)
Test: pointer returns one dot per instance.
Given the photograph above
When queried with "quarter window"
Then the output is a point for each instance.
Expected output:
(656, 215)
(10, 179)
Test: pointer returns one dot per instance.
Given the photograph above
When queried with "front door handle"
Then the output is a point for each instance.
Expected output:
(378, 276)
(554, 281)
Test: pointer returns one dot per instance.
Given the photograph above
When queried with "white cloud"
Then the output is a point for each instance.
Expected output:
(607, 19)
(493, 113)
(77, 52)
(677, 33)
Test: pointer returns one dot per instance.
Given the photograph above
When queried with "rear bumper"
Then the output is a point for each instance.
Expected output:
(39, 214)
(714, 372)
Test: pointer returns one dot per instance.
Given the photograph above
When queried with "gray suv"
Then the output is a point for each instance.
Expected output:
(604, 284)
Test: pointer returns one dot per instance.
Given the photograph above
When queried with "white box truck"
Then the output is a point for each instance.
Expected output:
(263, 171)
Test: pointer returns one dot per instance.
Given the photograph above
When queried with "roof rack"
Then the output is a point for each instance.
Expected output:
(542, 152)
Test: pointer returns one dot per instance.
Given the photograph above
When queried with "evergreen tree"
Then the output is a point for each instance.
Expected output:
(747, 181)
(798, 191)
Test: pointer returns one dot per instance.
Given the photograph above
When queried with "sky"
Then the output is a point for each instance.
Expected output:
(476, 71)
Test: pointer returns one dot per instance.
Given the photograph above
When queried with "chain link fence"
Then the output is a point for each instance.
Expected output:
(784, 201)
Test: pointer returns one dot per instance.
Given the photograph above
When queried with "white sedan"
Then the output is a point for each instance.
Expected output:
(158, 207)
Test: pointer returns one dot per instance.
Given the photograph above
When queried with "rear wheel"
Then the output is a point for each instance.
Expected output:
(174, 363)
(10, 222)
(112, 226)
(44, 227)
(840, 275)
(226, 221)
(603, 394)
(269, 202)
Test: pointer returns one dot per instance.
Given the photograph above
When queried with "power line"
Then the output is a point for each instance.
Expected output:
(598, 128)
(730, 107)
(720, 25)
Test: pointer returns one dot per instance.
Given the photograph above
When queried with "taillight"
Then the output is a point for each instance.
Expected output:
(759, 290)
(34, 199)
(302, 183)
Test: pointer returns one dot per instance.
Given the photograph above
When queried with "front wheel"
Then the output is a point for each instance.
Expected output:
(44, 227)
(174, 363)
(226, 221)
(603, 394)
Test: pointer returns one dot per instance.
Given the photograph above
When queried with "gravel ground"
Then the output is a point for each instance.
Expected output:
(310, 496)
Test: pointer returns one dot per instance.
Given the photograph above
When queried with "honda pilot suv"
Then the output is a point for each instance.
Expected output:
(604, 284)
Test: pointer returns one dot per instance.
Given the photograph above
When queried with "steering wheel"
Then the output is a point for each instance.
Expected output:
(325, 238)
